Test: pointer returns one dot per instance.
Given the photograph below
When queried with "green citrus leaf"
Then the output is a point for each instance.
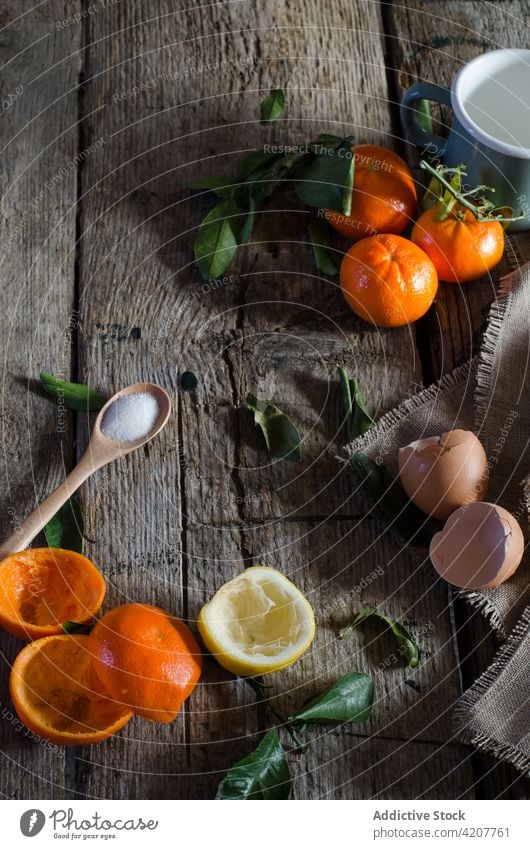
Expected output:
(77, 627)
(401, 514)
(323, 252)
(217, 239)
(264, 774)
(273, 105)
(350, 699)
(74, 396)
(406, 642)
(223, 187)
(281, 436)
(356, 417)
(66, 529)
(188, 381)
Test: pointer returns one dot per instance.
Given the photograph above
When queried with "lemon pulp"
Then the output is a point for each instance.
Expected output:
(257, 622)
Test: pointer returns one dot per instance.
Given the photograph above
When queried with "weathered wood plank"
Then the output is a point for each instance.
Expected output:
(39, 143)
(175, 522)
(343, 766)
(431, 43)
(137, 232)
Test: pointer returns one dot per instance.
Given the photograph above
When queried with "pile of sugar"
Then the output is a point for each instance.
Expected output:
(131, 417)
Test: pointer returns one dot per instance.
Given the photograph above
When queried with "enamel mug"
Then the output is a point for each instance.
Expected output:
(490, 134)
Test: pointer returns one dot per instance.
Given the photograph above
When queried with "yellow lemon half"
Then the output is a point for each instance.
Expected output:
(256, 623)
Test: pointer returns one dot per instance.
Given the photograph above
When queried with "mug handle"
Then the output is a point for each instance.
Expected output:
(409, 116)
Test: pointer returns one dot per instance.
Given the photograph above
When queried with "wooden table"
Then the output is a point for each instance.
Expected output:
(109, 109)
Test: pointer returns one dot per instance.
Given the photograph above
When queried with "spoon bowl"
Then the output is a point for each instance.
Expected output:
(99, 443)
(100, 451)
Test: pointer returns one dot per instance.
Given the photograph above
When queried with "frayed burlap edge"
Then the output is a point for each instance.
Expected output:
(486, 355)
(482, 396)
(454, 379)
(465, 711)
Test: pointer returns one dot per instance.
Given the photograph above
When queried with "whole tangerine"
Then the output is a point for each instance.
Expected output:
(461, 247)
(388, 281)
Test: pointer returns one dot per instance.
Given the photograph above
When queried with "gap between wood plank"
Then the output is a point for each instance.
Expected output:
(71, 754)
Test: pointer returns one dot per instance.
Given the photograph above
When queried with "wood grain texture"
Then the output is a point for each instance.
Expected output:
(39, 143)
(171, 93)
(272, 325)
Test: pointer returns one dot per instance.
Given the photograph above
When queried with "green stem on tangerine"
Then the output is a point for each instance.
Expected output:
(459, 197)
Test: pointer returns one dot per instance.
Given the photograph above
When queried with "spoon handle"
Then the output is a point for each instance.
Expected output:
(26, 532)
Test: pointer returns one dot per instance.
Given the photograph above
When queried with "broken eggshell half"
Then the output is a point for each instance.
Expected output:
(440, 473)
(480, 545)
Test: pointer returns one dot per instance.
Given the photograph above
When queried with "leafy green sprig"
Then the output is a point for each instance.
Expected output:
(445, 190)
(402, 515)
(265, 772)
(322, 173)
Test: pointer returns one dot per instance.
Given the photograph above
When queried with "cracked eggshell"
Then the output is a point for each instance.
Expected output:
(480, 545)
(440, 473)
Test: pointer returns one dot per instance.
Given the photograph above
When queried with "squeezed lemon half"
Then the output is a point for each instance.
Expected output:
(256, 623)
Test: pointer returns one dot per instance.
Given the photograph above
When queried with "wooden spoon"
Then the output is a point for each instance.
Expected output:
(100, 451)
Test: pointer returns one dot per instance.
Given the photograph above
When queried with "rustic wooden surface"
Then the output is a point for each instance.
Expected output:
(143, 97)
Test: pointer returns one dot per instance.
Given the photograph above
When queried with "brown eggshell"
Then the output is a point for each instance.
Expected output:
(480, 545)
(441, 473)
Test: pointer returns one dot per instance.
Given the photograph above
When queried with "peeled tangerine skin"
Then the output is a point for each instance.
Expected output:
(440, 473)
(481, 545)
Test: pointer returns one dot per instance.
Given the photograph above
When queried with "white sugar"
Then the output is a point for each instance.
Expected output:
(131, 417)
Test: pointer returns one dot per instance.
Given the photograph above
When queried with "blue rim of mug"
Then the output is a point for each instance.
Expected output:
(475, 131)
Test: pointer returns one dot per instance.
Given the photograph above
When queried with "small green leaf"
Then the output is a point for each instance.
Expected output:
(246, 229)
(350, 699)
(188, 381)
(423, 115)
(322, 250)
(217, 239)
(223, 187)
(323, 177)
(77, 627)
(66, 528)
(74, 396)
(402, 515)
(281, 436)
(257, 160)
(329, 139)
(273, 105)
(356, 417)
(347, 194)
(406, 643)
(264, 774)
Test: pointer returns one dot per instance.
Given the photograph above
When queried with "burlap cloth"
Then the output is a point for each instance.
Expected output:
(491, 396)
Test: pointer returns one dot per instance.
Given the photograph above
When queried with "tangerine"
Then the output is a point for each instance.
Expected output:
(145, 659)
(387, 280)
(461, 247)
(384, 195)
